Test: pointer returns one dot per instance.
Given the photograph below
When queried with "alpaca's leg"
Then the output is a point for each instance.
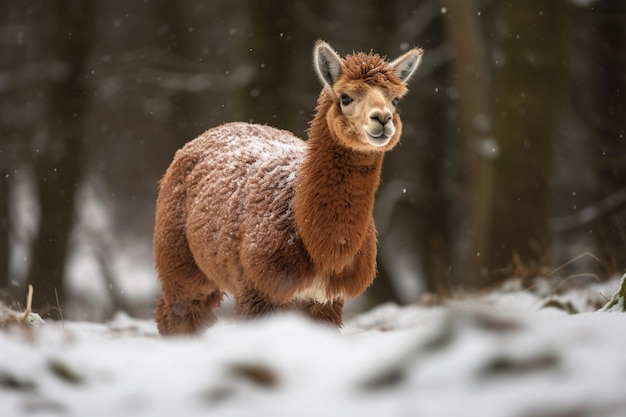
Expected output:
(250, 303)
(188, 298)
(180, 315)
(329, 312)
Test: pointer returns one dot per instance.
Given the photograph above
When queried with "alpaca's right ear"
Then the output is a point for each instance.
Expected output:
(327, 63)
(406, 65)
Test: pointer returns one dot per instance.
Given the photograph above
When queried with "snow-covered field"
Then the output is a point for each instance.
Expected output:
(500, 354)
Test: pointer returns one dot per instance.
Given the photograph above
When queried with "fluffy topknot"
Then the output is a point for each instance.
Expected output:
(370, 68)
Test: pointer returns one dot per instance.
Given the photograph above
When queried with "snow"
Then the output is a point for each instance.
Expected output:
(498, 354)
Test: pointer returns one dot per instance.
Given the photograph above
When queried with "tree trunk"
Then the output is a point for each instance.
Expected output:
(58, 162)
(530, 81)
(267, 52)
(610, 129)
(5, 229)
(177, 41)
(473, 81)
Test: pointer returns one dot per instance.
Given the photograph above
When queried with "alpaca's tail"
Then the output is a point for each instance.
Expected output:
(170, 242)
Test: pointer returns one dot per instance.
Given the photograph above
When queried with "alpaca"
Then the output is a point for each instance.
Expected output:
(278, 222)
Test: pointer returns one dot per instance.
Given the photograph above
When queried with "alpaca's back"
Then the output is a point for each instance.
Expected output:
(238, 185)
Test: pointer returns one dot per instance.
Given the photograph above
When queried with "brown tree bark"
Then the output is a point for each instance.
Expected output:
(5, 247)
(58, 161)
(530, 81)
(176, 40)
(609, 125)
(472, 78)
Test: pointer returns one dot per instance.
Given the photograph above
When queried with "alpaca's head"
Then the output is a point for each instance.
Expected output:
(365, 89)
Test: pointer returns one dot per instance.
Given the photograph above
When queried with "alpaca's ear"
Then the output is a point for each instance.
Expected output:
(327, 63)
(406, 65)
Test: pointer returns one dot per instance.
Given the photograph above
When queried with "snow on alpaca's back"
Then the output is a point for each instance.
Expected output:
(247, 174)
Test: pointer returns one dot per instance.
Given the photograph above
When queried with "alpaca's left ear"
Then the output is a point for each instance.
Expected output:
(406, 65)
(327, 62)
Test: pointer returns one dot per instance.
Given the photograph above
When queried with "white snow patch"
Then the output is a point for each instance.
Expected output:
(497, 355)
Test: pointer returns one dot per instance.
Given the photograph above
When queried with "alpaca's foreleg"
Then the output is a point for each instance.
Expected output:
(329, 312)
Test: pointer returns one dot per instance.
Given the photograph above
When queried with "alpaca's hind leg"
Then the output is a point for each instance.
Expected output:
(250, 303)
(329, 312)
(178, 315)
(188, 298)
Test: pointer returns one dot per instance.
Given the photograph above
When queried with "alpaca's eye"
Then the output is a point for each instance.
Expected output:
(395, 101)
(345, 99)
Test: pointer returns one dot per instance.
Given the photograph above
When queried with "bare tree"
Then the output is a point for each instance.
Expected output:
(530, 79)
(57, 161)
(5, 281)
(19, 111)
(267, 53)
(509, 128)
(473, 80)
(610, 130)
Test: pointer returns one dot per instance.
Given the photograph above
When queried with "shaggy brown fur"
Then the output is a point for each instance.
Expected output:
(280, 223)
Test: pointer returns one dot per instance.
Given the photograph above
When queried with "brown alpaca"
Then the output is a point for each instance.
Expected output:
(277, 222)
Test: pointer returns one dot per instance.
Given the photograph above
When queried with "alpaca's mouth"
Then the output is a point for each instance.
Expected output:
(379, 135)
(378, 140)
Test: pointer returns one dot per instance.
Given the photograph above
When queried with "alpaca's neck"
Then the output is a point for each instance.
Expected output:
(334, 196)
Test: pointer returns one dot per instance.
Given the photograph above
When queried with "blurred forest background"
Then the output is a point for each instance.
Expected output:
(512, 162)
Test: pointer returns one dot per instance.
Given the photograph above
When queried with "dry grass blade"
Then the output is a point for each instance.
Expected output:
(56, 295)
(29, 304)
(564, 265)
(571, 261)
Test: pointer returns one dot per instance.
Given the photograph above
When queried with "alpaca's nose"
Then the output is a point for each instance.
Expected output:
(381, 117)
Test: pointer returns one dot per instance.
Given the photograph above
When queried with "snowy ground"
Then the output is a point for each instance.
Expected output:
(500, 354)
